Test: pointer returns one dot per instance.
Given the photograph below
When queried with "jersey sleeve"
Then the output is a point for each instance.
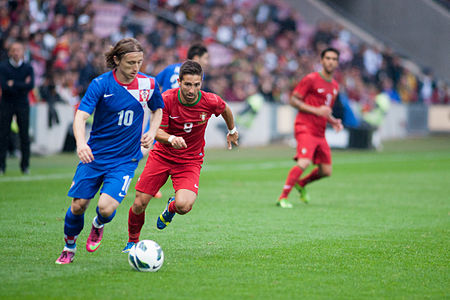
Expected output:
(156, 100)
(91, 98)
(165, 113)
(220, 106)
(303, 87)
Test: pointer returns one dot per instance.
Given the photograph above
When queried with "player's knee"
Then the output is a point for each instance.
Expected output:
(106, 211)
(184, 209)
(140, 203)
(78, 207)
(326, 173)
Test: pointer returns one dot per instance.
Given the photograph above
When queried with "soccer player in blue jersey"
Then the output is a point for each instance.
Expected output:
(111, 155)
(168, 78)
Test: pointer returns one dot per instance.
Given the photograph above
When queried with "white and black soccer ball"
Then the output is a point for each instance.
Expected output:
(146, 256)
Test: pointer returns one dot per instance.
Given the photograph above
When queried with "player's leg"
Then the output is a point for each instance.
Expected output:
(154, 176)
(73, 225)
(136, 219)
(180, 204)
(106, 210)
(115, 187)
(305, 152)
(322, 158)
(185, 179)
(85, 185)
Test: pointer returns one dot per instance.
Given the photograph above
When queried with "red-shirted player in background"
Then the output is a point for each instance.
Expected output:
(314, 97)
(180, 149)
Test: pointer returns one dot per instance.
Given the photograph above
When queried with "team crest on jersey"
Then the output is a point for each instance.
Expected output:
(203, 116)
(144, 95)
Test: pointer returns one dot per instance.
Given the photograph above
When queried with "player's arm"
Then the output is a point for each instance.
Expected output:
(233, 134)
(79, 129)
(148, 137)
(177, 142)
(296, 101)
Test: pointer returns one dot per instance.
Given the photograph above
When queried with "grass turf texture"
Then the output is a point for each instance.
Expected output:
(378, 228)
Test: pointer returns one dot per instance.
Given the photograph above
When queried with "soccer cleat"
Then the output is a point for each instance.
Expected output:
(94, 239)
(128, 247)
(166, 217)
(66, 257)
(284, 203)
(304, 197)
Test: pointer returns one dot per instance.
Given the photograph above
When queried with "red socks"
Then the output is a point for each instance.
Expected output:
(293, 176)
(314, 175)
(135, 223)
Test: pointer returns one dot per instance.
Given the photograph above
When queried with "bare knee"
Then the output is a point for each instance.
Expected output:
(140, 202)
(325, 171)
(183, 208)
(79, 206)
(303, 163)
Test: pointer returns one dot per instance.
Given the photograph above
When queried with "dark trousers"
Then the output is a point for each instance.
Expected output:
(22, 112)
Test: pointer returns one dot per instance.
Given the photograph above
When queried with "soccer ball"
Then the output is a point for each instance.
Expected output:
(146, 256)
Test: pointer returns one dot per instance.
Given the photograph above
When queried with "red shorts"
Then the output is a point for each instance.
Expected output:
(157, 170)
(313, 148)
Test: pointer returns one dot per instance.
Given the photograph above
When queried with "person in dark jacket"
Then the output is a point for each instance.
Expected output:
(16, 80)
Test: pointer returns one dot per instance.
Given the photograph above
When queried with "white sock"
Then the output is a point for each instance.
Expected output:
(96, 224)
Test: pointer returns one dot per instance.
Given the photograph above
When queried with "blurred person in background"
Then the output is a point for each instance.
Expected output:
(168, 78)
(16, 80)
(314, 97)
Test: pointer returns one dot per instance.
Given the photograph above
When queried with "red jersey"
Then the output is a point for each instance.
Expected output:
(189, 122)
(316, 91)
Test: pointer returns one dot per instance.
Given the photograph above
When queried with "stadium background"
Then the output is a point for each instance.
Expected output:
(378, 229)
(259, 50)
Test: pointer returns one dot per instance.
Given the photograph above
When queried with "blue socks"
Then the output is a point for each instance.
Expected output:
(73, 224)
(99, 220)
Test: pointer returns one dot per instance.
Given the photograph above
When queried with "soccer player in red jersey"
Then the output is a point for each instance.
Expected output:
(314, 97)
(180, 149)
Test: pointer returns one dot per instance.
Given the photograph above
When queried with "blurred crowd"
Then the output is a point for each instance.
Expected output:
(261, 47)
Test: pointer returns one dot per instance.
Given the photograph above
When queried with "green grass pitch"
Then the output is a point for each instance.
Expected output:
(378, 228)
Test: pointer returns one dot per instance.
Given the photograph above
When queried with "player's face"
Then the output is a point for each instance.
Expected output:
(330, 62)
(190, 87)
(203, 60)
(128, 67)
(16, 52)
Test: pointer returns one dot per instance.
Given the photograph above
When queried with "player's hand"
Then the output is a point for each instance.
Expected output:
(337, 125)
(147, 140)
(323, 111)
(10, 83)
(85, 154)
(178, 142)
(232, 139)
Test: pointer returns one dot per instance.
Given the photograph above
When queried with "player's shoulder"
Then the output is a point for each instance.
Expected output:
(143, 75)
(104, 78)
(210, 97)
(171, 94)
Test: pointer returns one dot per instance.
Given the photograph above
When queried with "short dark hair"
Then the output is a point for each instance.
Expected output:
(190, 67)
(322, 54)
(121, 48)
(196, 49)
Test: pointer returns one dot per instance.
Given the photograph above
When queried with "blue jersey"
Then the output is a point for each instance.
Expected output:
(167, 78)
(119, 114)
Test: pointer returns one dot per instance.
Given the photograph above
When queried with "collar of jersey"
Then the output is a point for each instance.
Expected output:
(320, 73)
(198, 99)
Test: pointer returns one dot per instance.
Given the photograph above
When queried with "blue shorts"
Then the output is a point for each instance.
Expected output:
(88, 178)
